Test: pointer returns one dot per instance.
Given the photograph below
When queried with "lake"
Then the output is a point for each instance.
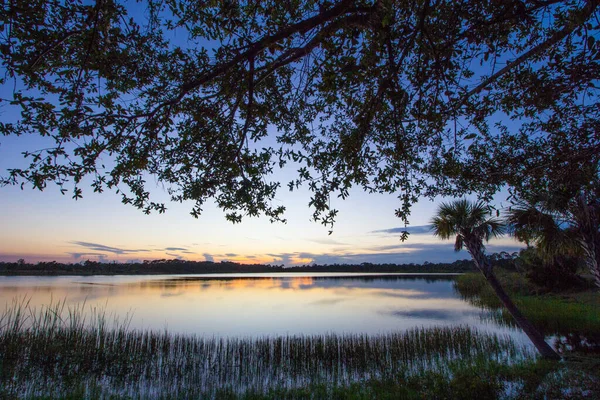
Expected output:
(235, 305)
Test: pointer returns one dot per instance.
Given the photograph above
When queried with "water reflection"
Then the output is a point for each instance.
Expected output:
(263, 304)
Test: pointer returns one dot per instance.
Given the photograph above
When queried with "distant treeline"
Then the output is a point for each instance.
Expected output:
(208, 267)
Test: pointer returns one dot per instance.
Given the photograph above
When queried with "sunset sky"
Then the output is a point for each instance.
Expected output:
(45, 226)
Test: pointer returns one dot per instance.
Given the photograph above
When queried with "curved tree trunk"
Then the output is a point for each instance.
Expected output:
(531, 331)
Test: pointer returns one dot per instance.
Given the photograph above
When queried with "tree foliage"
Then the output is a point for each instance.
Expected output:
(411, 97)
(560, 223)
(470, 223)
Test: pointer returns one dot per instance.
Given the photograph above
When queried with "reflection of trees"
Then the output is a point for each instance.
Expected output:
(283, 282)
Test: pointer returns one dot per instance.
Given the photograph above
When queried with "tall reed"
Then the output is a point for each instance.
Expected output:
(56, 351)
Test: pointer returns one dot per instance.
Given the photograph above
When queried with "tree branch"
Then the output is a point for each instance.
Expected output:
(576, 21)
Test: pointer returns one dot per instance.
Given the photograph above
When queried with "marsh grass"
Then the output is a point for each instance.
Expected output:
(56, 352)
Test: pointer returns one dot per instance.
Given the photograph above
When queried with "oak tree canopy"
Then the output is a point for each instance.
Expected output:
(207, 98)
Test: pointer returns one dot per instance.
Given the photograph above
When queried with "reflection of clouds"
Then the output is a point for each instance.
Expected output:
(304, 282)
(391, 286)
(435, 314)
(327, 302)
(262, 304)
(405, 293)
(171, 294)
(229, 283)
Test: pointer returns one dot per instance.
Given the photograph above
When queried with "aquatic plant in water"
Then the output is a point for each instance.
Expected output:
(56, 352)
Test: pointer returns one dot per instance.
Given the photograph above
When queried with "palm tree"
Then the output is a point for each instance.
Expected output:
(470, 224)
(561, 227)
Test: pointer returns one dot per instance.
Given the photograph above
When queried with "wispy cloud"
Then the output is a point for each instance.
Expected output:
(108, 249)
(78, 256)
(178, 256)
(175, 248)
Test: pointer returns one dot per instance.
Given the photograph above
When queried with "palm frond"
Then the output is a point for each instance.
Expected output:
(464, 219)
(459, 243)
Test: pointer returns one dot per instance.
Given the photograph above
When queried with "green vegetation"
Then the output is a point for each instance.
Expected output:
(44, 355)
(564, 223)
(56, 352)
(560, 314)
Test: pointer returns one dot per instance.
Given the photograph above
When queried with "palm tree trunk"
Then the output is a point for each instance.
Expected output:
(531, 331)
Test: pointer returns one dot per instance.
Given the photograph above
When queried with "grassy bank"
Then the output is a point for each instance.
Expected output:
(56, 353)
(572, 318)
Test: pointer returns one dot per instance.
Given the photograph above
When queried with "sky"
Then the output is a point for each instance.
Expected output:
(47, 226)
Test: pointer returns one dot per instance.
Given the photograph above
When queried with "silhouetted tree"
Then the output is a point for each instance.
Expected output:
(470, 224)
(209, 97)
(561, 225)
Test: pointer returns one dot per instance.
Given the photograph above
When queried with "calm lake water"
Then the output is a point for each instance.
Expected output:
(261, 304)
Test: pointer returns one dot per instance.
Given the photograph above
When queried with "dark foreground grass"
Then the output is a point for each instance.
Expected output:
(55, 353)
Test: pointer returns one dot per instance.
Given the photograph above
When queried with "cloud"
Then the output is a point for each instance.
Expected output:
(77, 256)
(284, 258)
(175, 248)
(405, 253)
(231, 255)
(418, 229)
(417, 253)
(178, 256)
(108, 249)
(208, 257)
